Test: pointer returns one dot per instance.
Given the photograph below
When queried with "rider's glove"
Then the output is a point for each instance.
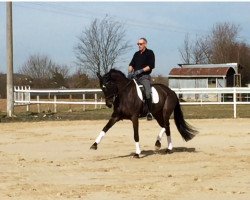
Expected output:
(131, 75)
(138, 72)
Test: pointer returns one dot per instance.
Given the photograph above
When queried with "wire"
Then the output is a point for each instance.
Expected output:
(59, 9)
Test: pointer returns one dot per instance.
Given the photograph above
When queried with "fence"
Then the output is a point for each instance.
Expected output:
(24, 96)
(188, 96)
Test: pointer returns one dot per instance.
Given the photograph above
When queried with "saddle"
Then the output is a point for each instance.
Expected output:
(141, 93)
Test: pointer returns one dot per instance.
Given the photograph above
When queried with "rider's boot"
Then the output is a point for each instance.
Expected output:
(149, 104)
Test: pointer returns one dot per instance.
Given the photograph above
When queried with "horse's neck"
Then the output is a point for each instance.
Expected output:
(122, 85)
(124, 88)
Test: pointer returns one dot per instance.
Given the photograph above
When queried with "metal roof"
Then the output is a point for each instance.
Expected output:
(209, 65)
(200, 72)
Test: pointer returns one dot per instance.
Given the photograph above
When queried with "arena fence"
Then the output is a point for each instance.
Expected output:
(25, 96)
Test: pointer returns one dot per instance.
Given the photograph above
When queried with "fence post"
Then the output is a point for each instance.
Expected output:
(55, 103)
(235, 102)
(26, 94)
(70, 99)
(83, 98)
(100, 104)
(15, 94)
(38, 105)
(95, 100)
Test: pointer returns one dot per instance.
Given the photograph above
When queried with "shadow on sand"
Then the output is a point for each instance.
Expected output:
(146, 153)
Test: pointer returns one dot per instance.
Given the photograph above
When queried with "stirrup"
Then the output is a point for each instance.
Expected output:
(149, 116)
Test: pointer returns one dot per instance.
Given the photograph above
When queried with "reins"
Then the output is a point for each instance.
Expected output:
(116, 94)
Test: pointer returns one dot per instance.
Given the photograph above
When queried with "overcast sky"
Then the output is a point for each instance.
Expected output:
(52, 28)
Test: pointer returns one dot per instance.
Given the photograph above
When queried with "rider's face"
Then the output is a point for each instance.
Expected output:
(141, 45)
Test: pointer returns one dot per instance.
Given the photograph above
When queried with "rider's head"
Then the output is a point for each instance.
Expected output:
(142, 44)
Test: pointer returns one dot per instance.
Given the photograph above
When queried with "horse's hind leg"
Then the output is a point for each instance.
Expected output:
(167, 111)
(159, 119)
(170, 145)
(158, 140)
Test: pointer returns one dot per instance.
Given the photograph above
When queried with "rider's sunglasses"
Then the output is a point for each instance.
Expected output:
(140, 44)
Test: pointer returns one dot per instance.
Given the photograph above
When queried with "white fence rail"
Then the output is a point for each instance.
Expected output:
(26, 96)
(189, 96)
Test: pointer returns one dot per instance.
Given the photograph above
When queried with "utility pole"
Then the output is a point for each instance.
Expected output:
(9, 40)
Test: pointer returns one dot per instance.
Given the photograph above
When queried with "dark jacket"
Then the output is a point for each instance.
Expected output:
(141, 60)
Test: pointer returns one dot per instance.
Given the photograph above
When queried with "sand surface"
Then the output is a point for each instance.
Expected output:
(52, 160)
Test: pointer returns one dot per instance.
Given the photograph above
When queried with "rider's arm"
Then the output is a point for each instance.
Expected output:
(130, 69)
(150, 62)
(146, 69)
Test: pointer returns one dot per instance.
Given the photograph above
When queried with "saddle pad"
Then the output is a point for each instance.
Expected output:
(155, 95)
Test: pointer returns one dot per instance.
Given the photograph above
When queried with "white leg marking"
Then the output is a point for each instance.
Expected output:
(170, 146)
(161, 134)
(99, 138)
(137, 148)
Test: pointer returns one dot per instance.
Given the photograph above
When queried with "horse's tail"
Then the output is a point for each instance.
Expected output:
(186, 130)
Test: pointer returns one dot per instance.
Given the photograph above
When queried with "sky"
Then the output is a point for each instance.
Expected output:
(52, 29)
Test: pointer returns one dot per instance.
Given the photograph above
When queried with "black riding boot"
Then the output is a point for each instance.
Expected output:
(149, 104)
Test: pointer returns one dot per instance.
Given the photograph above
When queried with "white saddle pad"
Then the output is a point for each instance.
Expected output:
(155, 95)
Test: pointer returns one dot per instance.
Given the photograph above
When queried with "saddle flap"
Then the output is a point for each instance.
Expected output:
(154, 93)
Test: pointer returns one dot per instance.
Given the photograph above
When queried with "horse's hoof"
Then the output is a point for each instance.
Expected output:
(136, 156)
(94, 146)
(168, 151)
(157, 145)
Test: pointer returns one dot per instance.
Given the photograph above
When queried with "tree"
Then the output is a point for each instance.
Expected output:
(43, 72)
(185, 52)
(78, 80)
(223, 40)
(221, 45)
(101, 45)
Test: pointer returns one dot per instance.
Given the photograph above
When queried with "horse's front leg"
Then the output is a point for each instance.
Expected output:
(136, 137)
(110, 123)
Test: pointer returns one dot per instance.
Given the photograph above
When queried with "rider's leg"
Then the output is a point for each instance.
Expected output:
(146, 82)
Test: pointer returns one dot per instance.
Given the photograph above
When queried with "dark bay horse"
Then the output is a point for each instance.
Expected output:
(121, 93)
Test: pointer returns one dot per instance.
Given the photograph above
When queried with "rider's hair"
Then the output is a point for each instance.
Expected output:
(145, 40)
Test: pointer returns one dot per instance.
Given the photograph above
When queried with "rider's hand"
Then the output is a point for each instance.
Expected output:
(138, 72)
(131, 75)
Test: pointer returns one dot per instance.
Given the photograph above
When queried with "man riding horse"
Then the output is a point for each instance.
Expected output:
(140, 69)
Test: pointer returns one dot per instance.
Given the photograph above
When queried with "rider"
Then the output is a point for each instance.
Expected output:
(140, 68)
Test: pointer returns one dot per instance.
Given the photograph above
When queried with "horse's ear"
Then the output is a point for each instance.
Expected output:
(98, 75)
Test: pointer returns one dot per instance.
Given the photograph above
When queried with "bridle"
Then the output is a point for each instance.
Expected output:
(115, 94)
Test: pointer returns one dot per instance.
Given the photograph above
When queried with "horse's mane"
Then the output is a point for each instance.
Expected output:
(117, 72)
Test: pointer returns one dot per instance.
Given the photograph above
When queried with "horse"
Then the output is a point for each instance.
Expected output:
(121, 93)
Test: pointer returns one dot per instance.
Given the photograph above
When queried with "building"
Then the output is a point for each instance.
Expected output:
(205, 76)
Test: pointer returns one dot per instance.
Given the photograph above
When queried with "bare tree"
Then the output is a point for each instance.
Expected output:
(101, 45)
(216, 47)
(221, 45)
(186, 50)
(223, 39)
(79, 79)
(201, 51)
(44, 72)
(38, 67)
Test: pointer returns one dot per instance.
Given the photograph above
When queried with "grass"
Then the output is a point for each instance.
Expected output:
(215, 111)
(75, 112)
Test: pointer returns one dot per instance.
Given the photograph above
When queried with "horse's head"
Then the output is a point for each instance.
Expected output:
(108, 87)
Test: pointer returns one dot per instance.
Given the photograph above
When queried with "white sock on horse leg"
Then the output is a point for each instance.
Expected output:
(99, 138)
(161, 134)
(170, 146)
(137, 148)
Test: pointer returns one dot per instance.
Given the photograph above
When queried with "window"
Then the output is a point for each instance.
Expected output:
(211, 82)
